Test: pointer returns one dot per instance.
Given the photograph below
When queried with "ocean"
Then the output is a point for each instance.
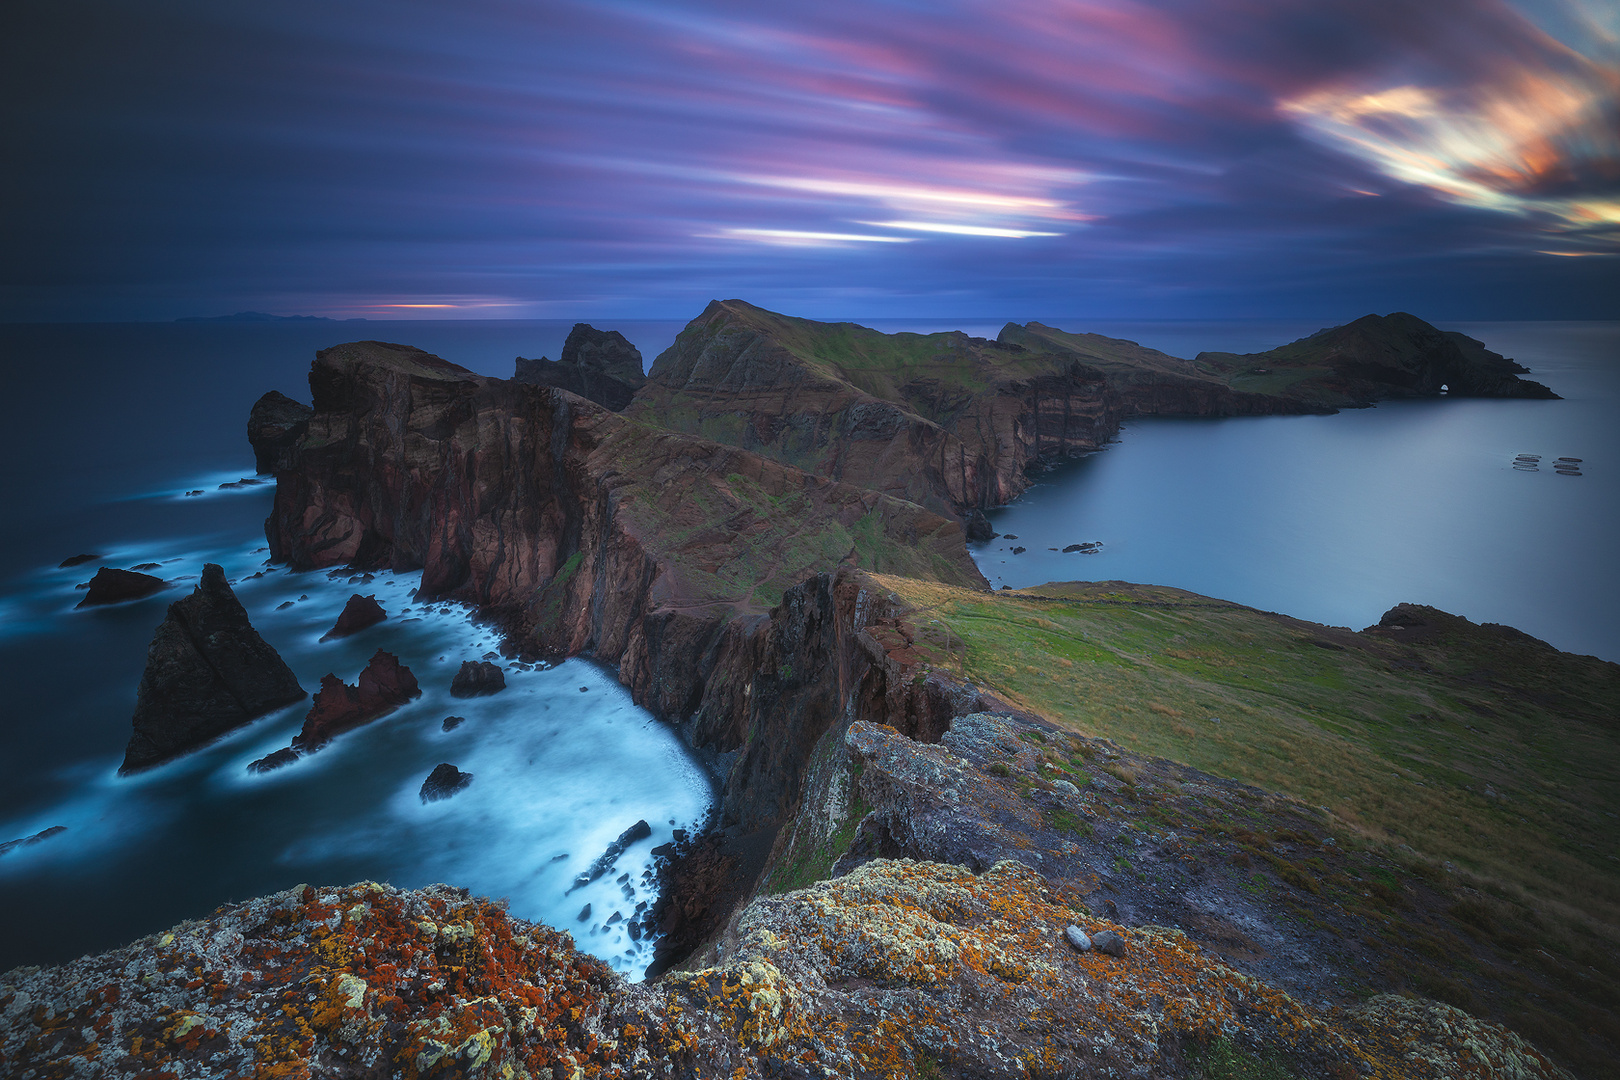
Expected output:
(108, 426)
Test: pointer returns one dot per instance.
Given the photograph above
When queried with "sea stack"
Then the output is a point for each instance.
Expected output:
(207, 671)
(596, 364)
(274, 425)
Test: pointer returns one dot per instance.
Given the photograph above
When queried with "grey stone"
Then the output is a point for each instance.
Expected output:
(1077, 937)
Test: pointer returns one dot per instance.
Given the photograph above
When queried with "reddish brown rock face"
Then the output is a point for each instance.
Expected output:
(384, 685)
(359, 613)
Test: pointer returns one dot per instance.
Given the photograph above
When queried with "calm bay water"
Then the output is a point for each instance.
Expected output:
(1338, 518)
(1328, 518)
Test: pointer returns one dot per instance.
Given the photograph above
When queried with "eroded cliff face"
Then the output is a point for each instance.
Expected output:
(946, 420)
(583, 532)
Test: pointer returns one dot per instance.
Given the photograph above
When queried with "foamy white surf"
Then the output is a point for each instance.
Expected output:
(562, 762)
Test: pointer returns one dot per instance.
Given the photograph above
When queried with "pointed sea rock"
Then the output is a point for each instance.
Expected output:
(207, 671)
(383, 686)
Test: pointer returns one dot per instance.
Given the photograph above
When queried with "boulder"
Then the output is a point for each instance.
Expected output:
(114, 586)
(29, 841)
(978, 528)
(359, 613)
(384, 685)
(285, 756)
(443, 782)
(452, 722)
(207, 671)
(76, 560)
(1078, 938)
(604, 862)
(1109, 943)
(477, 678)
(275, 423)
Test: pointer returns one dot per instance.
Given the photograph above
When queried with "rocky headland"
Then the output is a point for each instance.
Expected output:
(1375, 358)
(207, 672)
(1312, 852)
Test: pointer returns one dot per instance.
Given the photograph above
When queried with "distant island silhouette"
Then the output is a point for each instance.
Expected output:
(259, 316)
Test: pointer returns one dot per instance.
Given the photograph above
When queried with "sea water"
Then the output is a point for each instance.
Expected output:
(1338, 518)
(108, 426)
(107, 430)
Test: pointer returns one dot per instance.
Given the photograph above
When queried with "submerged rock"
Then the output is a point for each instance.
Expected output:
(604, 862)
(29, 841)
(76, 560)
(452, 722)
(114, 586)
(359, 613)
(443, 782)
(275, 423)
(384, 685)
(207, 671)
(270, 762)
(477, 678)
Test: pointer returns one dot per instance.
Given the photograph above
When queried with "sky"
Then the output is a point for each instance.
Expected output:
(836, 159)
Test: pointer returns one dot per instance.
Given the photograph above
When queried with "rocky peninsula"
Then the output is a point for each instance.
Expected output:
(1322, 853)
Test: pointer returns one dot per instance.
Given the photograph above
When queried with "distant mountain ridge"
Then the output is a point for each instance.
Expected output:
(259, 316)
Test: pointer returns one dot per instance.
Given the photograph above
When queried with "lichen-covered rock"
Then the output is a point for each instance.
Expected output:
(900, 968)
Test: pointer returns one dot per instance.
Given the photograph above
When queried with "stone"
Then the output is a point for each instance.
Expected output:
(477, 678)
(359, 613)
(1109, 942)
(1077, 937)
(978, 527)
(29, 841)
(444, 781)
(452, 722)
(270, 762)
(584, 913)
(383, 686)
(114, 586)
(604, 862)
(207, 672)
(76, 560)
(1018, 551)
(275, 424)
(1065, 787)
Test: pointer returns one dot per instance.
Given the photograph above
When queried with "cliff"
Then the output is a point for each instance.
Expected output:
(946, 420)
(1377, 357)
(587, 532)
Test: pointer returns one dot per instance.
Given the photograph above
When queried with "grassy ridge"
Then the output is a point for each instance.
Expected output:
(1413, 745)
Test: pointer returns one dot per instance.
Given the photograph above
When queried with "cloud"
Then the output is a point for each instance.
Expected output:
(545, 153)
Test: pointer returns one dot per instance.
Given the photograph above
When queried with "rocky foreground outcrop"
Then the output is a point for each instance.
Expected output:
(207, 672)
(599, 365)
(900, 969)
